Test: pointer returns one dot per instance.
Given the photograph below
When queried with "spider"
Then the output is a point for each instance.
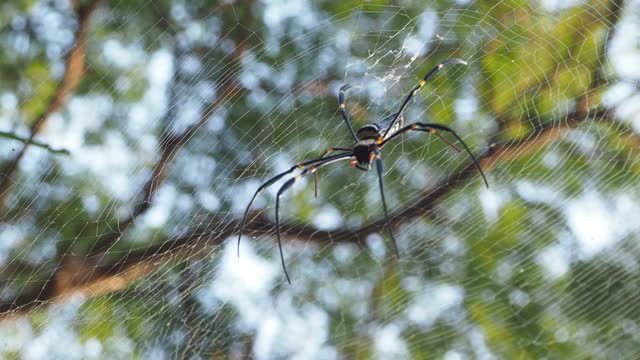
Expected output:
(367, 143)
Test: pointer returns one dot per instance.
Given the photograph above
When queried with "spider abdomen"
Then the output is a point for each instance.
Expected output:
(362, 151)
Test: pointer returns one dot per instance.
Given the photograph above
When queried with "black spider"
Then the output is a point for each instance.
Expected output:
(366, 148)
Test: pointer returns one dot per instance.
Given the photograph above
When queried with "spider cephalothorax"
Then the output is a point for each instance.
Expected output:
(367, 143)
(369, 137)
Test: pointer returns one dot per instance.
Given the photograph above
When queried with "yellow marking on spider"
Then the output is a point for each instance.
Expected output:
(300, 166)
(421, 83)
(380, 141)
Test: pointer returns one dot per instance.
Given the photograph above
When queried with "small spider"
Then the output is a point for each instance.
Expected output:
(368, 142)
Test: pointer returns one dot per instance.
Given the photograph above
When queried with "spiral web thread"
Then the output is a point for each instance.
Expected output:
(202, 298)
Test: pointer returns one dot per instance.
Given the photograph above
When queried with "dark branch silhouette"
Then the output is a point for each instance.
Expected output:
(74, 72)
(106, 277)
(12, 136)
(170, 144)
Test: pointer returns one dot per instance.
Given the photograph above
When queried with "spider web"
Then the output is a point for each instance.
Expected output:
(541, 264)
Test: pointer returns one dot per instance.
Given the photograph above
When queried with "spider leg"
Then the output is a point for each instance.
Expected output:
(282, 189)
(433, 129)
(275, 179)
(315, 173)
(285, 187)
(418, 87)
(379, 170)
(444, 139)
(343, 110)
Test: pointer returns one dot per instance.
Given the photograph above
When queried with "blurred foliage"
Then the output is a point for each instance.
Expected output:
(528, 68)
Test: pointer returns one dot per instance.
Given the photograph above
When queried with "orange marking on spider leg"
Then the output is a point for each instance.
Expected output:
(414, 126)
(300, 166)
(379, 141)
(353, 163)
(371, 156)
(446, 141)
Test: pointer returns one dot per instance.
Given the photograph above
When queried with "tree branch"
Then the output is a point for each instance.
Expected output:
(110, 277)
(77, 275)
(73, 74)
(170, 144)
(47, 147)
